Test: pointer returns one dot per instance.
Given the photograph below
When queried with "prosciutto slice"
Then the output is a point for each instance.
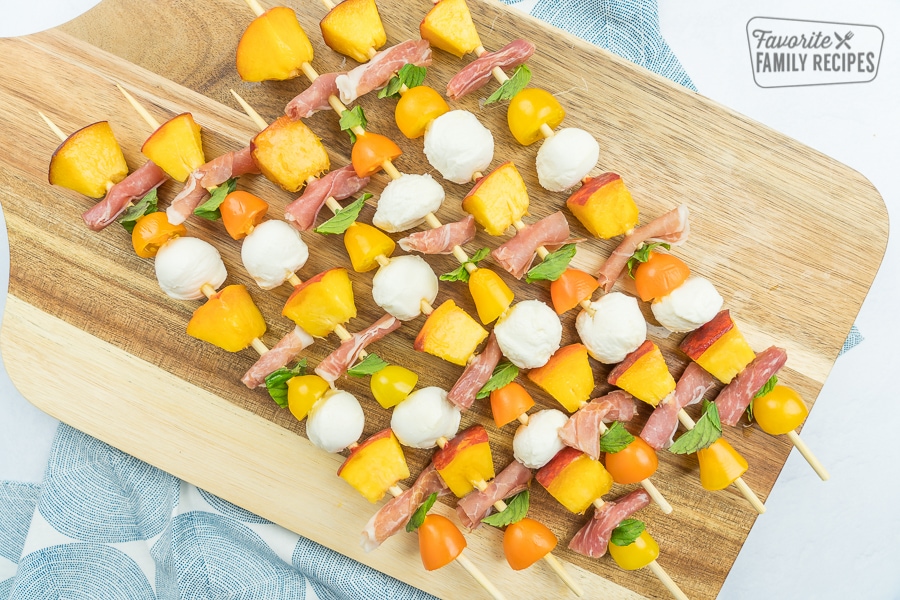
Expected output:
(378, 71)
(212, 174)
(477, 505)
(582, 430)
(660, 428)
(475, 375)
(133, 187)
(336, 364)
(517, 254)
(338, 184)
(592, 539)
(441, 240)
(478, 72)
(314, 98)
(734, 399)
(394, 515)
(672, 227)
(278, 356)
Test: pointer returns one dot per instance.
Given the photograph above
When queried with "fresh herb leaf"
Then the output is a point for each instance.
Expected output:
(418, 517)
(627, 531)
(409, 75)
(210, 208)
(707, 430)
(503, 374)
(392, 89)
(351, 119)
(460, 273)
(553, 266)
(145, 206)
(642, 255)
(767, 387)
(343, 218)
(615, 439)
(276, 382)
(749, 411)
(370, 365)
(515, 511)
(512, 86)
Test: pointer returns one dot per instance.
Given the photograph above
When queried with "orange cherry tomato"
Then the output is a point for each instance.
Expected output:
(571, 288)
(417, 108)
(241, 212)
(151, 232)
(440, 542)
(635, 463)
(526, 542)
(509, 402)
(661, 274)
(370, 151)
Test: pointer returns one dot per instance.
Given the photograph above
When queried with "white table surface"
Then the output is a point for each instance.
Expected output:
(817, 540)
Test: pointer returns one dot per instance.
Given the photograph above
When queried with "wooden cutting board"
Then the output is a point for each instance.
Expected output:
(791, 238)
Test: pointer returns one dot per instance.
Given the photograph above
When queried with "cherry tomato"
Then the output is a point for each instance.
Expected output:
(440, 542)
(720, 465)
(364, 244)
(303, 392)
(636, 555)
(241, 212)
(526, 542)
(661, 274)
(780, 411)
(370, 151)
(528, 110)
(491, 294)
(635, 463)
(417, 108)
(391, 385)
(509, 402)
(152, 231)
(571, 288)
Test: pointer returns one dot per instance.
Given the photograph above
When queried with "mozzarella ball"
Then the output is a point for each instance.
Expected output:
(565, 158)
(529, 334)
(692, 304)
(405, 202)
(536, 443)
(458, 145)
(400, 286)
(184, 265)
(335, 421)
(423, 417)
(617, 327)
(273, 252)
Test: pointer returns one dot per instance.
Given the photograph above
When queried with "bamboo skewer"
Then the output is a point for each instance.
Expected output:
(808, 455)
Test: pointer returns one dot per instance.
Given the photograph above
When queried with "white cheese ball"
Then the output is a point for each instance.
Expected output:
(692, 304)
(335, 421)
(536, 443)
(405, 202)
(529, 334)
(617, 327)
(184, 265)
(423, 417)
(273, 252)
(566, 158)
(458, 145)
(400, 286)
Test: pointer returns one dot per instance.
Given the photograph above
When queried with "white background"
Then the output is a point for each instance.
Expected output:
(817, 540)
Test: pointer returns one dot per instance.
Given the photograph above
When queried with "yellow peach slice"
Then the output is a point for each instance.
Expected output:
(89, 161)
(288, 153)
(176, 147)
(353, 28)
(273, 46)
(449, 26)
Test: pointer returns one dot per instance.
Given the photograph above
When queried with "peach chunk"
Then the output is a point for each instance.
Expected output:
(274, 46)
(375, 465)
(574, 479)
(465, 459)
(604, 206)
(499, 199)
(719, 347)
(449, 26)
(288, 153)
(353, 28)
(229, 320)
(567, 376)
(450, 333)
(322, 303)
(644, 374)
(89, 161)
(176, 147)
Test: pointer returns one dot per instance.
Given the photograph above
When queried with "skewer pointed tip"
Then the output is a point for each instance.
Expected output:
(59, 133)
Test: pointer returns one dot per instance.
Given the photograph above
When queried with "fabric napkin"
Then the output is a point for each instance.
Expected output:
(106, 525)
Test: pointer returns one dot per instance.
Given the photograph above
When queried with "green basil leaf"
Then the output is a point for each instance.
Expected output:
(351, 119)
(461, 273)
(276, 382)
(411, 76)
(515, 511)
(210, 208)
(626, 532)
(144, 206)
(503, 374)
(370, 365)
(512, 86)
(392, 89)
(767, 387)
(553, 266)
(343, 218)
(642, 255)
(749, 411)
(418, 517)
(707, 430)
(615, 439)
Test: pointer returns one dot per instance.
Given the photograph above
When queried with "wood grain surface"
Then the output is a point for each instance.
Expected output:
(791, 238)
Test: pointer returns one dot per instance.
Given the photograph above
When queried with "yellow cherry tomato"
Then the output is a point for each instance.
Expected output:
(417, 108)
(303, 392)
(152, 231)
(720, 465)
(528, 110)
(491, 294)
(391, 385)
(364, 243)
(636, 555)
(780, 411)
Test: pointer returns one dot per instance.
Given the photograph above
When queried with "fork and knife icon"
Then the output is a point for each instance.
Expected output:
(843, 41)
